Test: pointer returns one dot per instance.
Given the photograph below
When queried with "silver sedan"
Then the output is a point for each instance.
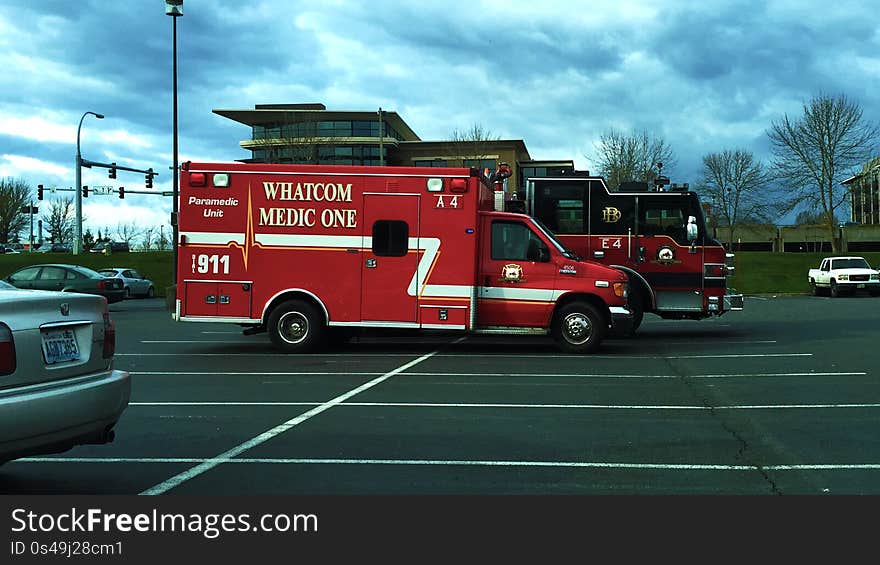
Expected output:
(59, 388)
(135, 283)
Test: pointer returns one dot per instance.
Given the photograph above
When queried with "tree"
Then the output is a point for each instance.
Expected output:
(810, 217)
(632, 157)
(735, 185)
(814, 153)
(471, 147)
(88, 240)
(15, 194)
(293, 139)
(147, 241)
(127, 232)
(59, 221)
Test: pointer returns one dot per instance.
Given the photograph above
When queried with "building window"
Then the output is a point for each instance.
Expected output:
(480, 164)
(430, 163)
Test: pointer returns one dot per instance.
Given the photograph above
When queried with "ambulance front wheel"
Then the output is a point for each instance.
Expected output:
(579, 328)
(296, 327)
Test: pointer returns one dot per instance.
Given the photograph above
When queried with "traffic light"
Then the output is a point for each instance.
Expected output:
(121, 192)
(148, 178)
(112, 172)
(85, 191)
(39, 192)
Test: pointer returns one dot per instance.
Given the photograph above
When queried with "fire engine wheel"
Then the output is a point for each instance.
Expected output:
(296, 327)
(578, 328)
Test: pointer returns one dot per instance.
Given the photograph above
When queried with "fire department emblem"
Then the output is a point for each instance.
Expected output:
(610, 214)
(512, 273)
(665, 254)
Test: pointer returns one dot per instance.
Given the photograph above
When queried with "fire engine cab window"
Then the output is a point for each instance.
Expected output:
(669, 220)
(511, 240)
(390, 238)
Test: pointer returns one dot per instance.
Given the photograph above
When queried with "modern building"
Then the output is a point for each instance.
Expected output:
(309, 133)
(865, 194)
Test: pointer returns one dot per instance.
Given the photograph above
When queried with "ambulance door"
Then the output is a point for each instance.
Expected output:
(517, 276)
(389, 291)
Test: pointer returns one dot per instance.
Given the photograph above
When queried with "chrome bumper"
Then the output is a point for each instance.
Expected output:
(728, 302)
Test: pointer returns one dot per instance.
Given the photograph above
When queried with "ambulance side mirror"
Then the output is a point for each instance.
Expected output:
(537, 251)
(692, 229)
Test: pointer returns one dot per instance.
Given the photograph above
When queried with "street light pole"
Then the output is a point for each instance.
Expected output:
(77, 238)
(174, 8)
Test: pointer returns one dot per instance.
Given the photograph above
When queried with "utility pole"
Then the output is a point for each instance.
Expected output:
(381, 135)
(77, 229)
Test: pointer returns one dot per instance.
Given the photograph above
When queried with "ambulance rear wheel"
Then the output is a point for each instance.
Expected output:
(296, 327)
(579, 328)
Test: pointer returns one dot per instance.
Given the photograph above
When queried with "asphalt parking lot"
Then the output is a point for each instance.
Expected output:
(781, 398)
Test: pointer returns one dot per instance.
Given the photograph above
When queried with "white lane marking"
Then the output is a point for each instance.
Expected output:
(516, 405)
(246, 340)
(460, 356)
(269, 434)
(457, 462)
(519, 375)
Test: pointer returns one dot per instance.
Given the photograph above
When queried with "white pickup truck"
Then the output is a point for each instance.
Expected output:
(837, 275)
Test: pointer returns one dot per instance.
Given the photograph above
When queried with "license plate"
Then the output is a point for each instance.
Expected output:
(860, 286)
(60, 346)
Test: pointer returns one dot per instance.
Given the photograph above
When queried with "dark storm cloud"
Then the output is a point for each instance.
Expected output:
(705, 76)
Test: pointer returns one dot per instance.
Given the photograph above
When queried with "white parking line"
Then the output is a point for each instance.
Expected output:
(353, 355)
(543, 375)
(267, 435)
(515, 405)
(455, 462)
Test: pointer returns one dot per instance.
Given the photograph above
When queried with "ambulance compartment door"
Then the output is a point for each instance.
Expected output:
(390, 281)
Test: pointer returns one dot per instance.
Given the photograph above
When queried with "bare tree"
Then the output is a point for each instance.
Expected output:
(15, 194)
(736, 186)
(127, 232)
(814, 153)
(147, 241)
(632, 157)
(472, 146)
(59, 221)
(293, 139)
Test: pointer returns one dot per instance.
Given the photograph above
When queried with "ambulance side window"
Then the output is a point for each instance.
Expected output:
(390, 238)
(511, 240)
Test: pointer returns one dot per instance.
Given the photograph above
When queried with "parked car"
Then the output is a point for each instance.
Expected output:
(838, 275)
(135, 284)
(4, 249)
(59, 388)
(67, 278)
(107, 247)
(56, 248)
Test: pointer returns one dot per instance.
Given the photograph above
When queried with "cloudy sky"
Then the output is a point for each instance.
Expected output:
(705, 76)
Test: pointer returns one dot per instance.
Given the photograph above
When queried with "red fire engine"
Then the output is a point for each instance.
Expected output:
(309, 253)
(658, 237)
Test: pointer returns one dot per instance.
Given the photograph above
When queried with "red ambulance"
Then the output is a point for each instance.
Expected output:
(314, 253)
